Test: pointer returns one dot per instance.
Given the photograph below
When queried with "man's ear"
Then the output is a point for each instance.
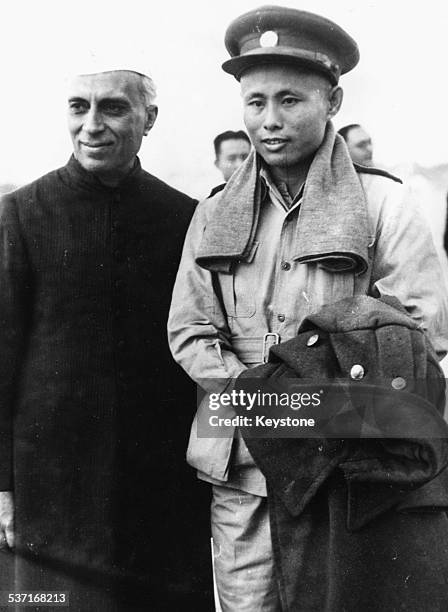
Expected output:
(151, 116)
(335, 97)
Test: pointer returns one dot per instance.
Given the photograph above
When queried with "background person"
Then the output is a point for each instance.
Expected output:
(231, 149)
(359, 144)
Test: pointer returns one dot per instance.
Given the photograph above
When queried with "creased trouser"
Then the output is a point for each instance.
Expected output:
(243, 562)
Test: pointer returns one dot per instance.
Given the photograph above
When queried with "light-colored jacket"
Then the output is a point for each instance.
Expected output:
(217, 320)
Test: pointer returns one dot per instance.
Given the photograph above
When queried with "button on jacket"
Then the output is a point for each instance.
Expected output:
(92, 413)
(217, 320)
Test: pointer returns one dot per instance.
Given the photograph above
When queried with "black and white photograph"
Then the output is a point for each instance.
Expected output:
(223, 306)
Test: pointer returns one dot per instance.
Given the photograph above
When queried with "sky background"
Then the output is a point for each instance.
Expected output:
(398, 92)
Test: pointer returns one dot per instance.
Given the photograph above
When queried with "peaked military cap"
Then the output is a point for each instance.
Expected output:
(275, 34)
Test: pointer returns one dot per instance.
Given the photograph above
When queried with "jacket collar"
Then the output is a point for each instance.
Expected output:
(76, 176)
(280, 193)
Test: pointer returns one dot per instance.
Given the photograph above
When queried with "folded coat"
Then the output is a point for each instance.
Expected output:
(360, 524)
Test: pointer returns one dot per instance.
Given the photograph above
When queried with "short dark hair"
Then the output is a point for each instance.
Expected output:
(346, 129)
(229, 135)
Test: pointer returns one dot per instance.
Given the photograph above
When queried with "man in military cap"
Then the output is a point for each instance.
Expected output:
(253, 268)
(92, 424)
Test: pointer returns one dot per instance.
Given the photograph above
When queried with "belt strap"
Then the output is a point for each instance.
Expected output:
(254, 350)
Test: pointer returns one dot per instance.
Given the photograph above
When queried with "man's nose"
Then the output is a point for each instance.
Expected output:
(272, 117)
(93, 121)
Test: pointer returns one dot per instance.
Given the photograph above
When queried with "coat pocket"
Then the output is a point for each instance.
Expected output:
(238, 288)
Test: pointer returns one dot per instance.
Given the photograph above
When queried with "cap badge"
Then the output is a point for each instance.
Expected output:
(269, 39)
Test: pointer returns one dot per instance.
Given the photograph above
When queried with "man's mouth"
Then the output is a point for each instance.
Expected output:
(274, 144)
(96, 145)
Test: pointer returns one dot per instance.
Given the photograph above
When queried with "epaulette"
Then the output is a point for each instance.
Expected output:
(377, 171)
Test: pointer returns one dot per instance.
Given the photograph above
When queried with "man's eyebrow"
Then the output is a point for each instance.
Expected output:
(290, 91)
(106, 100)
(76, 99)
(251, 94)
(114, 100)
(283, 92)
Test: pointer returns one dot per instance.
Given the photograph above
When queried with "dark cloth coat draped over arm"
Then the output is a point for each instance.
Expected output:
(360, 524)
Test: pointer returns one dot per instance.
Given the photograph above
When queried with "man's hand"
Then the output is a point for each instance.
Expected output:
(6, 519)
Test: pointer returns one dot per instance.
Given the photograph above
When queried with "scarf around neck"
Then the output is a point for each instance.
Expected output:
(332, 228)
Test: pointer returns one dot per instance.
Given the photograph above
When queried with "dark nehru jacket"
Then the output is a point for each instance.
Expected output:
(94, 414)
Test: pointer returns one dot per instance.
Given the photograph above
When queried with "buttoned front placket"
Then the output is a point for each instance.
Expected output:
(266, 297)
(277, 282)
(279, 307)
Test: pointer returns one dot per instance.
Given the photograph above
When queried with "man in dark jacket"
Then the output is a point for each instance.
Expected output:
(93, 482)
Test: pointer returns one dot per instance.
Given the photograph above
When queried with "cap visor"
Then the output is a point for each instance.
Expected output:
(237, 65)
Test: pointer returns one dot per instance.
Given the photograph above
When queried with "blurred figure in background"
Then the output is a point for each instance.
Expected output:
(231, 149)
(359, 144)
